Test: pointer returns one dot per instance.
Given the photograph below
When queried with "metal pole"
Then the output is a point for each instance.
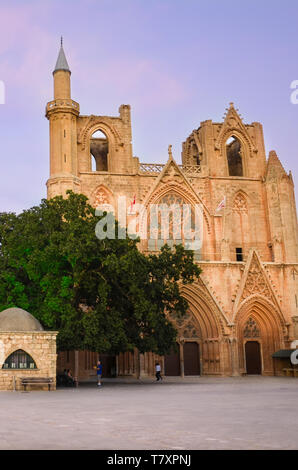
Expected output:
(76, 377)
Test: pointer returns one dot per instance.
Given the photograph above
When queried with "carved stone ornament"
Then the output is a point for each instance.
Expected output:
(251, 329)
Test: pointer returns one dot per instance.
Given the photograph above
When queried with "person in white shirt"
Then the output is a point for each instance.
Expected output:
(158, 370)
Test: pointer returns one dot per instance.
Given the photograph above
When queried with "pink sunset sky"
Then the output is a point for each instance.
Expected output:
(176, 62)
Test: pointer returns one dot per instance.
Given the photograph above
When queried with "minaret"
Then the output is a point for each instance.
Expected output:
(62, 113)
(61, 76)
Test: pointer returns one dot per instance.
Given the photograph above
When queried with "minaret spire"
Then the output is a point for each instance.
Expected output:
(61, 63)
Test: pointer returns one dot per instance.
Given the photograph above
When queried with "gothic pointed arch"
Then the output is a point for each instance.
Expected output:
(207, 323)
(233, 125)
(99, 151)
(172, 184)
(265, 305)
(107, 149)
(172, 218)
(205, 309)
(98, 123)
(172, 177)
(259, 320)
(235, 156)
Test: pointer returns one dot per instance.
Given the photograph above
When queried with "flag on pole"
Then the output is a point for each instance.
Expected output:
(221, 205)
(132, 205)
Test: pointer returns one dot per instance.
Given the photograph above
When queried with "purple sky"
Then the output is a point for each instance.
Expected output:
(176, 62)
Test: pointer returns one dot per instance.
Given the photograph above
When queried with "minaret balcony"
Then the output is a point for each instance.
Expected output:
(63, 105)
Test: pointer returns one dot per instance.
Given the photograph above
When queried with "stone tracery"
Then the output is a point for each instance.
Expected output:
(102, 197)
(240, 204)
(251, 329)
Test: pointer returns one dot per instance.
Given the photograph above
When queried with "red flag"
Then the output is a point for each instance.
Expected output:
(221, 205)
(132, 204)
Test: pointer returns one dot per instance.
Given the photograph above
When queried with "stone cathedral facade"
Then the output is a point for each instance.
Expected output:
(245, 305)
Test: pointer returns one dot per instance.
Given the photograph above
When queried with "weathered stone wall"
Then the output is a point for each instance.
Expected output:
(40, 345)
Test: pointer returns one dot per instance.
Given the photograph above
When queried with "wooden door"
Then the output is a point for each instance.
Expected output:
(253, 358)
(191, 358)
(172, 363)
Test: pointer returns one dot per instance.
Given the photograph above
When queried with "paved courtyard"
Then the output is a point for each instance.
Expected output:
(201, 413)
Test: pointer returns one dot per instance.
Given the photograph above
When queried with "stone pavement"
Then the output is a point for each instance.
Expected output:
(197, 413)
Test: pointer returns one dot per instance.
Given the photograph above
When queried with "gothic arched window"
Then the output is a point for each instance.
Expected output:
(173, 221)
(99, 150)
(19, 360)
(234, 156)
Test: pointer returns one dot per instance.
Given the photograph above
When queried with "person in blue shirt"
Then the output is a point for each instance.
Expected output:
(158, 372)
(99, 373)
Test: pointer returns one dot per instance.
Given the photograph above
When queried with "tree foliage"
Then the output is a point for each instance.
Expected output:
(102, 295)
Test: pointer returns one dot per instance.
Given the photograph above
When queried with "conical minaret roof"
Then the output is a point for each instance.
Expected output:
(61, 63)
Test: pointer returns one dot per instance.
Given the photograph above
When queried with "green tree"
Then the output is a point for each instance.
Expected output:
(102, 295)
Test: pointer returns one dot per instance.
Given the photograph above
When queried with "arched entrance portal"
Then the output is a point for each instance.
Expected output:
(253, 358)
(259, 329)
(191, 352)
(201, 334)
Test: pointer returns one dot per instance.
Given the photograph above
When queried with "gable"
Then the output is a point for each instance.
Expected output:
(254, 281)
(233, 125)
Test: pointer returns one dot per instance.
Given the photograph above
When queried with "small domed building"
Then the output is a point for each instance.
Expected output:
(26, 349)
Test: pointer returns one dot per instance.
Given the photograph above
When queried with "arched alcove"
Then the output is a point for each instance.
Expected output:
(234, 154)
(209, 326)
(259, 321)
(99, 151)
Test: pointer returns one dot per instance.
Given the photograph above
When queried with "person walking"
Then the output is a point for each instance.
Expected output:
(158, 371)
(99, 373)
